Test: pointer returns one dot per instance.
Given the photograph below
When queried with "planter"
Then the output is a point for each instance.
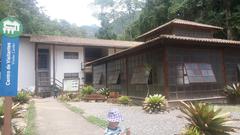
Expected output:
(114, 95)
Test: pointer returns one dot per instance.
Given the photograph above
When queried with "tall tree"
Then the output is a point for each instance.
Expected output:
(35, 21)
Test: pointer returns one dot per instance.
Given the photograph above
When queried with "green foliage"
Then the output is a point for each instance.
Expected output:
(125, 100)
(224, 13)
(115, 16)
(35, 21)
(104, 91)
(66, 97)
(205, 119)
(22, 97)
(30, 119)
(87, 90)
(154, 103)
(192, 131)
(1, 114)
(233, 90)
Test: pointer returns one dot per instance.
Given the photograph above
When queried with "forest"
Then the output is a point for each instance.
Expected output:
(127, 19)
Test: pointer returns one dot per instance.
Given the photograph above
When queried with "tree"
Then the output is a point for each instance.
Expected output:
(35, 21)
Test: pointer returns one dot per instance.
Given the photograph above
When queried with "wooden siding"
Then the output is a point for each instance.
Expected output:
(152, 58)
(117, 66)
(231, 60)
(100, 69)
(177, 57)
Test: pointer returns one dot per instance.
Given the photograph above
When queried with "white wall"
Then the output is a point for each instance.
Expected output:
(68, 65)
(26, 65)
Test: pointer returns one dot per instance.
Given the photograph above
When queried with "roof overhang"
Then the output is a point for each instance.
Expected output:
(175, 40)
(75, 41)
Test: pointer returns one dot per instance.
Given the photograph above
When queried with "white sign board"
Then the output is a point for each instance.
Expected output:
(71, 84)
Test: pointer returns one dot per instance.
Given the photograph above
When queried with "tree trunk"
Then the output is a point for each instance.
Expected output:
(227, 4)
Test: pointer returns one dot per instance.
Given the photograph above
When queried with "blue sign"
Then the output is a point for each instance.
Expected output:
(9, 66)
(11, 29)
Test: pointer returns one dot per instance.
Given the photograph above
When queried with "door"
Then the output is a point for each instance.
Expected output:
(43, 71)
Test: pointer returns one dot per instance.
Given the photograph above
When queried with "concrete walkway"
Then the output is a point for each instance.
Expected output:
(55, 119)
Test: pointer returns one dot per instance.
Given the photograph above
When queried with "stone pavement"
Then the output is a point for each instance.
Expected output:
(53, 118)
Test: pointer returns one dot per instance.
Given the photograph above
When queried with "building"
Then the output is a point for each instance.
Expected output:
(47, 60)
(180, 59)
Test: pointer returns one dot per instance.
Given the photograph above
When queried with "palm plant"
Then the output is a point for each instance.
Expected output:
(204, 119)
(154, 103)
(233, 92)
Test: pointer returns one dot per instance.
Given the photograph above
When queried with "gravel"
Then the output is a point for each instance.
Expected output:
(141, 123)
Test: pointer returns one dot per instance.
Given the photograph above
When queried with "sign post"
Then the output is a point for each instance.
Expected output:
(10, 28)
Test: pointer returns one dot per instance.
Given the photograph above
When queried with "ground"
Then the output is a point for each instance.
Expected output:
(142, 123)
(55, 118)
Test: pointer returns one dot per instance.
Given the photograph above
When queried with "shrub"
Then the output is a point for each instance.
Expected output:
(154, 103)
(124, 100)
(87, 90)
(64, 97)
(204, 119)
(104, 91)
(22, 97)
(233, 92)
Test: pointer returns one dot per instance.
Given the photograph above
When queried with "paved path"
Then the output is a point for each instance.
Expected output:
(55, 119)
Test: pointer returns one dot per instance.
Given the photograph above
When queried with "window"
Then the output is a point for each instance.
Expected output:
(70, 55)
(71, 75)
(114, 78)
(97, 78)
(141, 76)
(199, 73)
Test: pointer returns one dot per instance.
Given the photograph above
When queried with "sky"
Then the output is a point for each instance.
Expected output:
(79, 12)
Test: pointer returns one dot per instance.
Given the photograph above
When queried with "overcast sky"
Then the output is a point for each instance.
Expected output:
(74, 11)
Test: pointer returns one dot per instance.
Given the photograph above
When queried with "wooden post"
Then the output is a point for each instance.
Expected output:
(223, 67)
(165, 72)
(7, 129)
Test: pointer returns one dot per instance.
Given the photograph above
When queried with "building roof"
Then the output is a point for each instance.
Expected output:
(177, 39)
(179, 22)
(63, 40)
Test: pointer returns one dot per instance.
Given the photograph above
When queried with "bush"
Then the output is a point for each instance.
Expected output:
(125, 100)
(104, 91)
(154, 103)
(233, 93)
(22, 97)
(204, 119)
(87, 90)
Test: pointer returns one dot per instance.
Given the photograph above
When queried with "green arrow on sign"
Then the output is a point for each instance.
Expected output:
(11, 27)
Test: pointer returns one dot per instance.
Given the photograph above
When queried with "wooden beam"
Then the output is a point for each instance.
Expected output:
(36, 69)
(223, 66)
(126, 74)
(7, 128)
(165, 72)
(54, 68)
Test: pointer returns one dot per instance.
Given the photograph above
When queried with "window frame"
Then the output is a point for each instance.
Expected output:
(71, 55)
(71, 75)
(114, 78)
(139, 76)
(98, 78)
(200, 72)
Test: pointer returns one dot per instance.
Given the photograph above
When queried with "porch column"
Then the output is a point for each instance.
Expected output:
(165, 72)
(54, 69)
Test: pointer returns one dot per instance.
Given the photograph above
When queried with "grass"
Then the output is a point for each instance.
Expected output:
(30, 118)
(92, 119)
(229, 108)
(97, 121)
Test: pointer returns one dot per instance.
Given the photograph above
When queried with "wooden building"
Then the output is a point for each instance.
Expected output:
(180, 59)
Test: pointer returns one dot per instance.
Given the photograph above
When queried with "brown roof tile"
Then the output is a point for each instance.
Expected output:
(82, 41)
(215, 42)
(180, 21)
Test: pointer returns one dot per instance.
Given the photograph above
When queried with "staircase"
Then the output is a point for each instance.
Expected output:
(46, 86)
